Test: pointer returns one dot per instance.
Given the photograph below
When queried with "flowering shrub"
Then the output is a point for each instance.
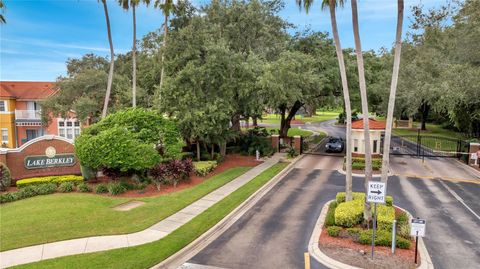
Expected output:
(171, 172)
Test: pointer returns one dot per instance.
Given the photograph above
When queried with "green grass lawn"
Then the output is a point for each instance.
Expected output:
(432, 130)
(55, 217)
(293, 131)
(320, 116)
(147, 255)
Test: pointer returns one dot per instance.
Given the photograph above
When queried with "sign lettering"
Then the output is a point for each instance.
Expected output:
(376, 192)
(35, 162)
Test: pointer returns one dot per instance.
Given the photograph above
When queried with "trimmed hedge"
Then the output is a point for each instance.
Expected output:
(5, 177)
(202, 168)
(330, 218)
(341, 196)
(349, 214)
(67, 186)
(382, 238)
(385, 217)
(54, 179)
(28, 191)
(334, 231)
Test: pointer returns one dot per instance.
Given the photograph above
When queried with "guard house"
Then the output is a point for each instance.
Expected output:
(358, 143)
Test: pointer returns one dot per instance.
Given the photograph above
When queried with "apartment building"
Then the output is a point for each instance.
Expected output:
(20, 113)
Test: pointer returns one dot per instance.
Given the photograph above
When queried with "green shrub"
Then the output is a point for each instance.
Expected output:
(5, 177)
(202, 168)
(55, 179)
(46, 188)
(382, 238)
(291, 152)
(349, 214)
(330, 218)
(127, 185)
(66, 187)
(88, 173)
(354, 231)
(26, 192)
(389, 200)
(385, 217)
(334, 231)
(9, 197)
(255, 139)
(403, 229)
(129, 140)
(116, 188)
(402, 218)
(341, 196)
(403, 243)
(101, 188)
(83, 187)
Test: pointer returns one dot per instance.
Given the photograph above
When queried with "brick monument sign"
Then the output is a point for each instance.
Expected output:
(43, 156)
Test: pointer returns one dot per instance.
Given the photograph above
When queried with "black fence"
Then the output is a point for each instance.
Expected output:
(428, 146)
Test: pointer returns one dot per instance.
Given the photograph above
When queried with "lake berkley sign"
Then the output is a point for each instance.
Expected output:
(34, 162)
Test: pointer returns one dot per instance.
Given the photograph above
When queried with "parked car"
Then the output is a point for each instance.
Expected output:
(334, 144)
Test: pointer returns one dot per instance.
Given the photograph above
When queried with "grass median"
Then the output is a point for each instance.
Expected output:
(56, 217)
(145, 256)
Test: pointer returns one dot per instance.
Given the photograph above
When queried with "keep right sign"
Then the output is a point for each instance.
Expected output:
(417, 227)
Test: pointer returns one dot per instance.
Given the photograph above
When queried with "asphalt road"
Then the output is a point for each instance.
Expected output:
(276, 231)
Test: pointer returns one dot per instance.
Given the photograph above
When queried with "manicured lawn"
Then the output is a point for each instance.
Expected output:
(432, 130)
(57, 217)
(293, 131)
(145, 256)
(320, 116)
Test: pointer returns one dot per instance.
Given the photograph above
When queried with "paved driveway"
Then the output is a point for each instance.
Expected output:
(276, 231)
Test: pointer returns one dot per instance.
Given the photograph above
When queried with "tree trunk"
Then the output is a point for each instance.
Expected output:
(424, 109)
(212, 151)
(285, 122)
(346, 99)
(198, 150)
(363, 94)
(235, 123)
(112, 62)
(247, 122)
(165, 29)
(134, 59)
(223, 149)
(255, 121)
(393, 91)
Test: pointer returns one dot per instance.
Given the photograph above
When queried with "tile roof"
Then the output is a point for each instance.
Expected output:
(372, 124)
(27, 90)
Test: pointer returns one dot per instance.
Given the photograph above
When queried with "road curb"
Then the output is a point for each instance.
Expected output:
(317, 254)
(209, 236)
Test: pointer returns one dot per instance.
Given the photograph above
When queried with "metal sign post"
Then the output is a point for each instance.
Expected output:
(375, 194)
(417, 228)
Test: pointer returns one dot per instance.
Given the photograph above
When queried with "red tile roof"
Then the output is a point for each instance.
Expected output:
(372, 124)
(27, 90)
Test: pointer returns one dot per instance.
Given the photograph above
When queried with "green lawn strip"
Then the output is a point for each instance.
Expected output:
(293, 131)
(56, 217)
(145, 256)
(319, 117)
(432, 130)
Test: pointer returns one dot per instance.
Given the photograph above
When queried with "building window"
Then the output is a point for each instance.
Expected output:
(375, 146)
(355, 145)
(68, 128)
(4, 136)
(3, 106)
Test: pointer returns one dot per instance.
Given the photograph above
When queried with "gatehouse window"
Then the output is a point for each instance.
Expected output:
(3, 106)
(355, 145)
(68, 128)
(375, 146)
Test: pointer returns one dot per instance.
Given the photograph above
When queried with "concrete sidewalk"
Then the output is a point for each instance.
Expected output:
(155, 232)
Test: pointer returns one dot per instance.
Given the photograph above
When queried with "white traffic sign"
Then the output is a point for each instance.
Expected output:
(473, 156)
(376, 192)
(417, 227)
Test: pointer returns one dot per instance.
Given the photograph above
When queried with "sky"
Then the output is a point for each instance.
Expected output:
(40, 35)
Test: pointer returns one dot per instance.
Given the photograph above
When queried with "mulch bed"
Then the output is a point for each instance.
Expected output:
(229, 162)
(345, 250)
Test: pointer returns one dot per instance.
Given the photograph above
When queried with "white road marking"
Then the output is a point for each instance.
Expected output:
(459, 199)
(188, 265)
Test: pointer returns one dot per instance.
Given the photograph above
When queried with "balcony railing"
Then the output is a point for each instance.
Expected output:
(28, 114)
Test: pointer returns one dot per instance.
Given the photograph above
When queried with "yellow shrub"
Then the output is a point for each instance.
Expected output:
(56, 179)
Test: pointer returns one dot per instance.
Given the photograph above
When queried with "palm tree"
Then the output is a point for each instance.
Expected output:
(112, 61)
(166, 6)
(332, 4)
(126, 4)
(393, 91)
(2, 9)
(363, 95)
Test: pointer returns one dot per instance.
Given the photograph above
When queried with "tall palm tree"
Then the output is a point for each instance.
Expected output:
(363, 95)
(393, 91)
(2, 9)
(166, 6)
(112, 61)
(332, 4)
(126, 4)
